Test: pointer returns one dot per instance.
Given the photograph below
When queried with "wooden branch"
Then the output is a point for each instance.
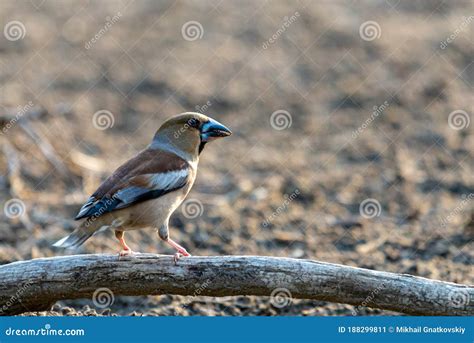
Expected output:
(36, 284)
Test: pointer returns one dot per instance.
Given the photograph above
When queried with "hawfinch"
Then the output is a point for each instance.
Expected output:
(147, 189)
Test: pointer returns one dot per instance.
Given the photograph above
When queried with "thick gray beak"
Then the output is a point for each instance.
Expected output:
(213, 130)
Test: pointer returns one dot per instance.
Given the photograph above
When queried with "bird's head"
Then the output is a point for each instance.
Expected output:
(189, 132)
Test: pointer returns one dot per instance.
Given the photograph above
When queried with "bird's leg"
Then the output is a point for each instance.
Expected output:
(163, 232)
(179, 248)
(125, 248)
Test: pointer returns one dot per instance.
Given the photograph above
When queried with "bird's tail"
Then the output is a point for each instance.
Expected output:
(76, 238)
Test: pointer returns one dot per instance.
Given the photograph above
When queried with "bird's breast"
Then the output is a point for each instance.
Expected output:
(152, 213)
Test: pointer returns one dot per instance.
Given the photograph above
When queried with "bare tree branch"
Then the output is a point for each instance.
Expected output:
(36, 284)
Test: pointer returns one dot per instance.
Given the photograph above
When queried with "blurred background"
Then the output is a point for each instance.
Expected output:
(353, 135)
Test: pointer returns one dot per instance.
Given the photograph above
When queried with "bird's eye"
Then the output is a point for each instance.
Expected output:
(193, 122)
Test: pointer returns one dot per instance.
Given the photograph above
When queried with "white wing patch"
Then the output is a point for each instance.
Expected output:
(167, 180)
(158, 185)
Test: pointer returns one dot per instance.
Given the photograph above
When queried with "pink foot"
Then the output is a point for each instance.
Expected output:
(126, 252)
(179, 248)
(183, 252)
(178, 255)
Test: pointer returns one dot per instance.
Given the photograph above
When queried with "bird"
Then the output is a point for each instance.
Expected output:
(145, 191)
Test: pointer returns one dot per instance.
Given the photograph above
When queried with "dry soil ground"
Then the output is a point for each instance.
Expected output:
(364, 90)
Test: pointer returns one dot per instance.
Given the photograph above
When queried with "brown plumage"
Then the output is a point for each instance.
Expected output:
(149, 161)
(148, 188)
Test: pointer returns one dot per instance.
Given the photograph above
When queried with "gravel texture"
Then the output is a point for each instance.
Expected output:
(370, 125)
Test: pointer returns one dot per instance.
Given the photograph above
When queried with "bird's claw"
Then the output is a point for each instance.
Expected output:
(126, 252)
(180, 254)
